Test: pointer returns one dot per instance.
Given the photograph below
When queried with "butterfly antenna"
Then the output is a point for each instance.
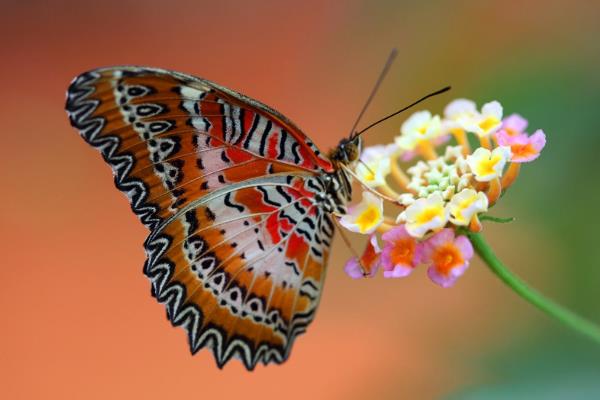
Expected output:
(382, 75)
(403, 109)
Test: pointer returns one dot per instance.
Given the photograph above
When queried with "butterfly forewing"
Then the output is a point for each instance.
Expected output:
(228, 187)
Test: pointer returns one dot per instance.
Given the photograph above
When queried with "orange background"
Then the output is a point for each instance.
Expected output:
(78, 321)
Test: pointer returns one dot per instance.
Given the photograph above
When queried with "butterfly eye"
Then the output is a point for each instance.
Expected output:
(352, 152)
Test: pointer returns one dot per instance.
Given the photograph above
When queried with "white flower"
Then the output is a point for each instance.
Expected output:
(462, 113)
(424, 215)
(465, 205)
(375, 165)
(418, 127)
(489, 121)
(374, 172)
(487, 165)
(365, 216)
(460, 108)
(458, 114)
(378, 152)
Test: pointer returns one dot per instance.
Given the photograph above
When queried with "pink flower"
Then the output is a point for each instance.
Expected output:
(513, 125)
(401, 253)
(524, 148)
(448, 257)
(369, 261)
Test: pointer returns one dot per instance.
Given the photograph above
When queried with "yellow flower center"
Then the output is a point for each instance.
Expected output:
(446, 258)
(428, 214)
(463, 205)
(467, 202)
(486, 167)
(523, 150)
(403, 251)
(368, 218)
(488, 123)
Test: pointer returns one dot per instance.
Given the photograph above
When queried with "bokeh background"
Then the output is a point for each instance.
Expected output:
(77, 320)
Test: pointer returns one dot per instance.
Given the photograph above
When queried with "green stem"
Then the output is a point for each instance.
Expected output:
(548, 306)
(496, 219)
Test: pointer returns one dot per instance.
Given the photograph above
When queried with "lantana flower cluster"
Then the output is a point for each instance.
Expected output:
(440, 186)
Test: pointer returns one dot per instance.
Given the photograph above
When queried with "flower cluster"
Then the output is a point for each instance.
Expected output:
(440, 185)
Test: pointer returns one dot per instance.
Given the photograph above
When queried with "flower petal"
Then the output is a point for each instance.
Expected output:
(352, 269)
(464, 245)
(444, 281)
(514, 124)
(365, 216)
(399, 271)
(459, 108)
(492, 109)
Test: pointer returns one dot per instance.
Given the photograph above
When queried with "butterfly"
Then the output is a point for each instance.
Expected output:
(239, 202)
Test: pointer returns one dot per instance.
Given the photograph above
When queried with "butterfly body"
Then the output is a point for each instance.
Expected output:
(238, 201)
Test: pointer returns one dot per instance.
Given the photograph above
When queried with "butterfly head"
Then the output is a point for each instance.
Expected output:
(347, 151)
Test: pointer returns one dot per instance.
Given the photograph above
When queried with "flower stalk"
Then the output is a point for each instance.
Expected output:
(543, 303)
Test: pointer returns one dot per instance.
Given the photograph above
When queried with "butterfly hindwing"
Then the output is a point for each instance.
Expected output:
(228, 187)
(247, 276)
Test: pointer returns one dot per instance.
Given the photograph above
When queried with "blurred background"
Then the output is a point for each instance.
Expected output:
(77, 318)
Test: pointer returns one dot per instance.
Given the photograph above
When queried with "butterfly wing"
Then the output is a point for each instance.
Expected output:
(229, 188)
(244, 278)
(152, 125)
